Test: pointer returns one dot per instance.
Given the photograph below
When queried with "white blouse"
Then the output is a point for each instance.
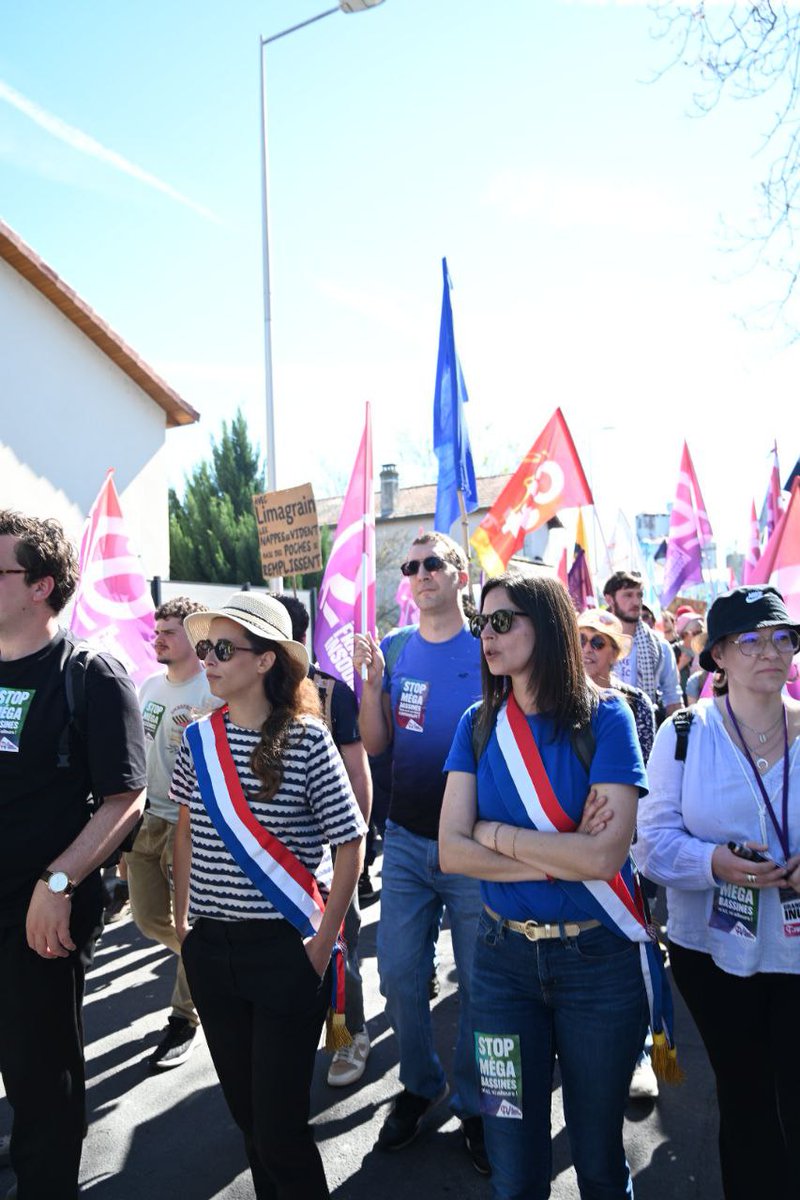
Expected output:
(695, 806)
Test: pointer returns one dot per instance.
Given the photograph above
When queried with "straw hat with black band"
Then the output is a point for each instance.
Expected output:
(604, 622)
(740, 611)
(258, 613)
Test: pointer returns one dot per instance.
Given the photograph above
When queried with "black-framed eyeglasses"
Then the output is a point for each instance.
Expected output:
(596, 641)
(13, 571)
(500, 620)
(785, 641)
(432, 563)
(224, 649)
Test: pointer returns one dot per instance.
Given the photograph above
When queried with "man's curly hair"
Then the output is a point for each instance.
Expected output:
(179, 607)
(43, 549)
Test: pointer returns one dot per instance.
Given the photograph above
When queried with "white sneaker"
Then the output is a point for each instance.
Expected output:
(644, 1085)
(350, 1063)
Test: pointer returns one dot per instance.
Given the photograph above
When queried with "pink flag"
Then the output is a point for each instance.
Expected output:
(113, 607)
(753, 548)
(689, 528)
(780, 563)
(772, 504)
(409, 613)
(347, 596)
(703, 523)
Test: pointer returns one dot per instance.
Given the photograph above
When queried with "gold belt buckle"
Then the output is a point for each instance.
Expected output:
(531, 930)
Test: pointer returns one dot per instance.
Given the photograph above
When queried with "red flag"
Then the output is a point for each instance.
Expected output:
(780, 562)
(113, 606)
(753, 548)
(549, 478)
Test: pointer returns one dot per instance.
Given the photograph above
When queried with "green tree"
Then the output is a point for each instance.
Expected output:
(213, 537)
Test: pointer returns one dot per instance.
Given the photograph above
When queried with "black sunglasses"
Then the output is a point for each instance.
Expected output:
(431, 563)
(500, 620)
(224, 649)
(597, 642)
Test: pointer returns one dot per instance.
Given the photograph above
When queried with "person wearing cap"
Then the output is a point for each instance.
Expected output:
(263, 795)
(721, 830)
(650, 664)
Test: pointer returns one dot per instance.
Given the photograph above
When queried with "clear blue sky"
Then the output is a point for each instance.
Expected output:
(578, 205)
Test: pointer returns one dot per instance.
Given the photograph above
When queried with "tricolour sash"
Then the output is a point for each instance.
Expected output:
(268, 864)
(523, 785)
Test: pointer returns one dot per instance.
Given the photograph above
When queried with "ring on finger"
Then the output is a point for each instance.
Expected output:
(751, 878)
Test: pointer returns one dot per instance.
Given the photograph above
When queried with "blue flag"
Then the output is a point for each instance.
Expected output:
(450, 437)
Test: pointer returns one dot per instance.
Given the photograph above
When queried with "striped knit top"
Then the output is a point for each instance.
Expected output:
(313, 809)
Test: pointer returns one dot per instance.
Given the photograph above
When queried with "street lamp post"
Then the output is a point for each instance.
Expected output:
(345, 6)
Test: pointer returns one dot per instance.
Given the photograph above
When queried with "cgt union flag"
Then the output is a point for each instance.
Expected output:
(344, 607)
(549, 478)
(113, 607)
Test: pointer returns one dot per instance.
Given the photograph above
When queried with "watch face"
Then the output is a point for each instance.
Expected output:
(58, 882)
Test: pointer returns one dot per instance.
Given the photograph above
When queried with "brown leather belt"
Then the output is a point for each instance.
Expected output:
(534, 930)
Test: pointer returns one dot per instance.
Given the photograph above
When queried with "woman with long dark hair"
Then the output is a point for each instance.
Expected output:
(263, 792)
(558, 970)
(721, 830)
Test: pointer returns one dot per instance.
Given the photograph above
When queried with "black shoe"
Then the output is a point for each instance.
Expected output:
(366, 888)
(472, 1129)
(405, 1120)
(118, 898)
(175, 1046)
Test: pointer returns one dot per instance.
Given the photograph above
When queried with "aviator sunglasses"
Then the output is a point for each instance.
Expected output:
(597, 642)
(500, 620)
(431, 563)
(224, 649)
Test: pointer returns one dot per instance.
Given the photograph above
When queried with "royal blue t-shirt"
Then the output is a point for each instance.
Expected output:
(430, 686)
(617, 759)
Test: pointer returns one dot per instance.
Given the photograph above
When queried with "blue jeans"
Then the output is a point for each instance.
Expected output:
(413, 890)
(582, 999)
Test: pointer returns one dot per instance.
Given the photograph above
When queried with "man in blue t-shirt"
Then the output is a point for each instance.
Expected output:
(418, 683)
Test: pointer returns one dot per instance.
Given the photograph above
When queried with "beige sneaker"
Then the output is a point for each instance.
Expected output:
(644, 1085)
(350, 1063)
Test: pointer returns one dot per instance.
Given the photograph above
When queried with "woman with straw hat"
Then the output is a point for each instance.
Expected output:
(263, 794)
(603, 644)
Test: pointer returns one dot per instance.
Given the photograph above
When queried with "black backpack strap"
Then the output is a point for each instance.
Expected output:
(75, 661)
(682, 721)
(583, 745)
(480, 736)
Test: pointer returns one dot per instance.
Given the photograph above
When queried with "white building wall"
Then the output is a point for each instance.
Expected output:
(67, 413)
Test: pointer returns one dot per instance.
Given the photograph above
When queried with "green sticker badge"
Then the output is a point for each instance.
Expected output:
(14, 705)
(499, 1074)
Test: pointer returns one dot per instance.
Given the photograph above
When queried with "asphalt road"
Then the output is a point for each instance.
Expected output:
(168, 1135)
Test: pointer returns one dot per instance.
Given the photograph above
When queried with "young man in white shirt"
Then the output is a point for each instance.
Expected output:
(169, 702)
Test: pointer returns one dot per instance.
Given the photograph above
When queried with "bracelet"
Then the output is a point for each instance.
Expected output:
(514, 843)
(494, 839)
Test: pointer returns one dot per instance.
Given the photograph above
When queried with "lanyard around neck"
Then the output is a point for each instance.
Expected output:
(782, 827)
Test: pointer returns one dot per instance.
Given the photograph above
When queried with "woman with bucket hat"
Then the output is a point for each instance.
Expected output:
(263, 795)
(721, 830)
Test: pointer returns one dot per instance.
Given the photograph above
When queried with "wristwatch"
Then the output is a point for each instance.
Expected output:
(58, 882)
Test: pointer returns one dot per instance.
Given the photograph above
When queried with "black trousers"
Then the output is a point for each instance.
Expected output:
(41, 1057)
(749, 1028)
(262, 1008)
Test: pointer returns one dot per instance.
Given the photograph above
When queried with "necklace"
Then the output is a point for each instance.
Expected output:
(763, 738)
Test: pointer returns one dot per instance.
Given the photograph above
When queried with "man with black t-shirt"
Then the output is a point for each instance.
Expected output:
(51, 894)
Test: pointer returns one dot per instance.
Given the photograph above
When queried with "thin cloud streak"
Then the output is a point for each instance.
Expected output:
(85, 144)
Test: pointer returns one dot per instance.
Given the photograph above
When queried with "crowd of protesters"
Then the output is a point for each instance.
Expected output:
(538, 761)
